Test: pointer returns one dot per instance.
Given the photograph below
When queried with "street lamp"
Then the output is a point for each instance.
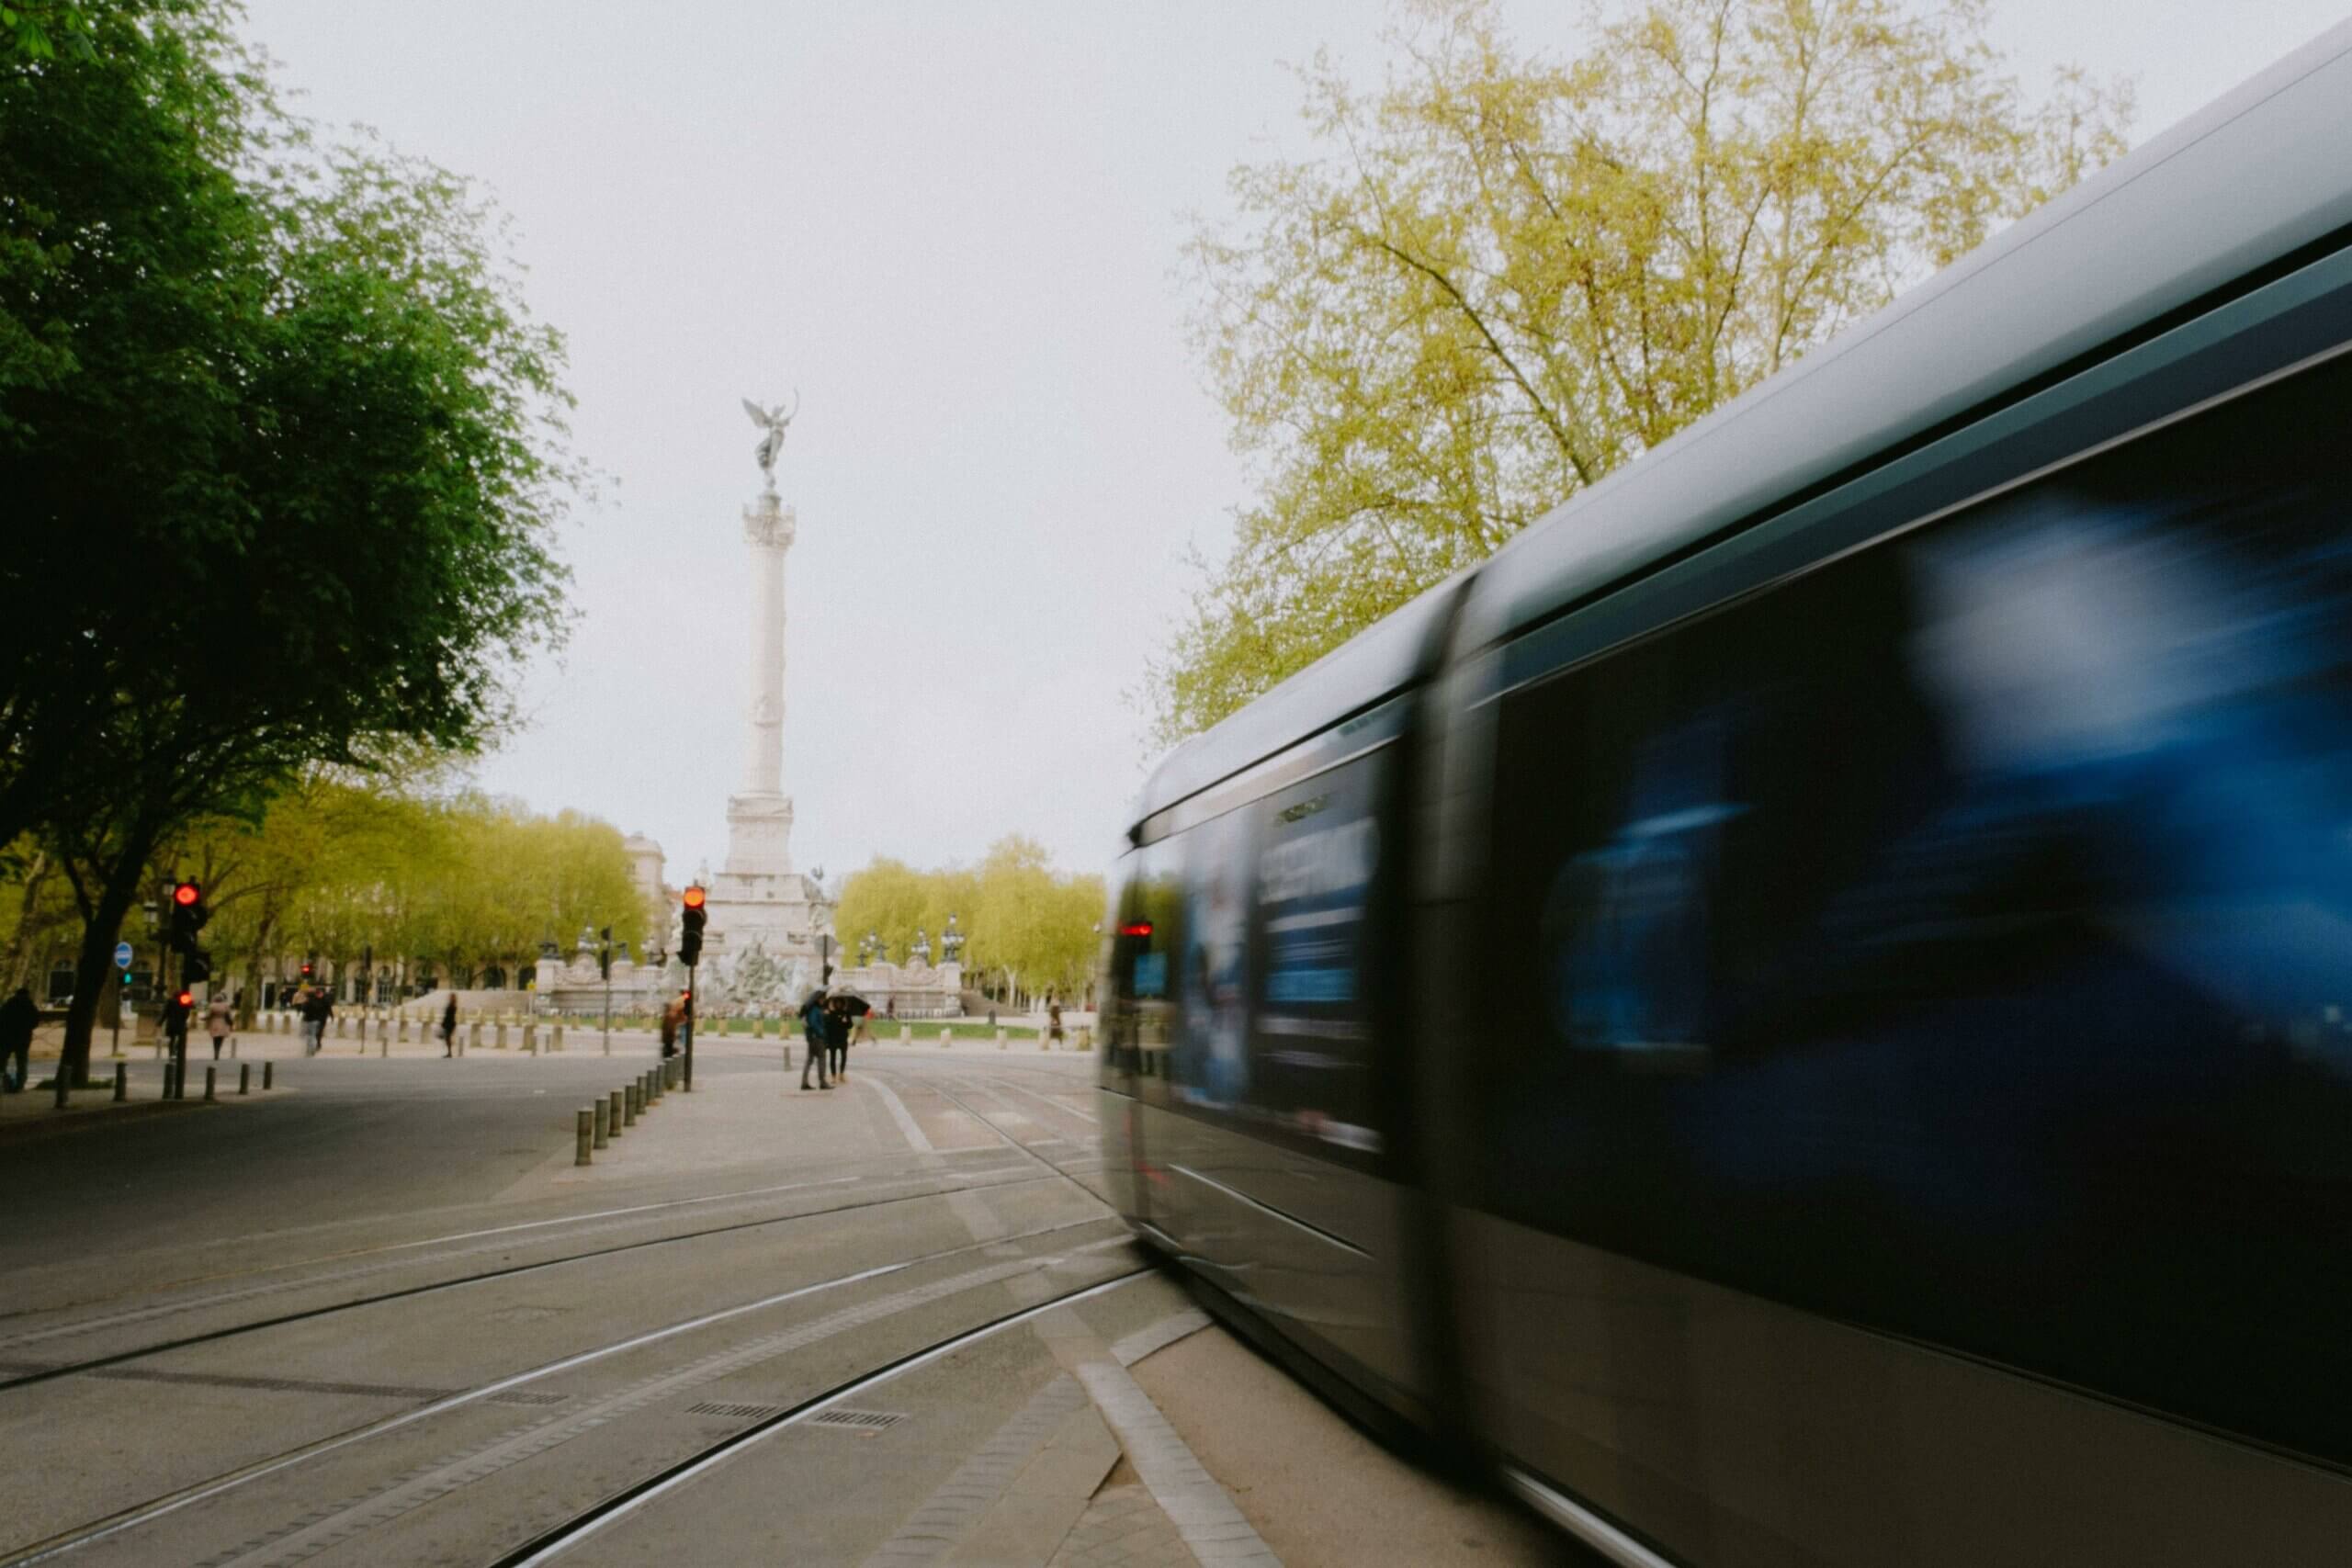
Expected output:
(920, 951)
(950, 941)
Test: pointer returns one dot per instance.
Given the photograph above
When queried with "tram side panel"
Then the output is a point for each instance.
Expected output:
(1926, 966)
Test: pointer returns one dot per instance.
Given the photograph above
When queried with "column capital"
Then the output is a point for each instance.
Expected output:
(767, 521)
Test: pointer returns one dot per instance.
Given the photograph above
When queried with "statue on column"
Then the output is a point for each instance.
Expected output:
(772, 424)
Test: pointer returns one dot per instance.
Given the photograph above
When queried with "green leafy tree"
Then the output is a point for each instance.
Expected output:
(1030, 929)
(290, 381)
(1500, 277)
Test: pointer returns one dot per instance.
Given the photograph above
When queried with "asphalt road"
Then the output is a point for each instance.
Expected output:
(382, 1317)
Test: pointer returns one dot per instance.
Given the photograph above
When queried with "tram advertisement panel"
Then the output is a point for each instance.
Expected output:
(1310, 1041)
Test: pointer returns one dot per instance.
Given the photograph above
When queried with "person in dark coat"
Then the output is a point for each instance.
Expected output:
(318, 1009)
(18, 1016)
(449, 1027)
(812, 1030)
(837, 1016)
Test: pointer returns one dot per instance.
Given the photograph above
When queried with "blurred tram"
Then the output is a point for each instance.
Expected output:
(1804, 1009)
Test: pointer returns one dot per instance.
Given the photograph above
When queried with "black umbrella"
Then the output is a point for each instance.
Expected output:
(851, 1003)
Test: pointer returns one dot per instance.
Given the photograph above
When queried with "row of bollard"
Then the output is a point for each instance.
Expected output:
(176, 1089)
(601, 1121)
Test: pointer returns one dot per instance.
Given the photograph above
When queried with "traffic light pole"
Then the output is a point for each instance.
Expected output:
(608, 1015)
(687, 1072)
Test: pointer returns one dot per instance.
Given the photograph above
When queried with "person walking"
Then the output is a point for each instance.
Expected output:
(220, 1022)
(17, 1017)
(1054, 1024)
(317, 1009)
(449, 1027)
(673, 1018)
(812, 1031)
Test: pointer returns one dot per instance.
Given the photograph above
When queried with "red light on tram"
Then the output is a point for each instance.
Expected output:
(1135, 928)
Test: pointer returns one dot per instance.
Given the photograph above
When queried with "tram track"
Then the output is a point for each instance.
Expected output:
(931, 1184)
(551, 1544)
(930, 1083)
(297, 1538)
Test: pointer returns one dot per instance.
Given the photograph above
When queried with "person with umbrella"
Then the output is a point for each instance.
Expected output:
(839, 1009)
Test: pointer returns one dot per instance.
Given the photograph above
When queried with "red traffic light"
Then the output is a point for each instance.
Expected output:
(1135, 928)
(185, 999)
(187, 893)
(306, 971)
(695, 897)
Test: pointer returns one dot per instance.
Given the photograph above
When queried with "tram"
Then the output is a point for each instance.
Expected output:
(1804, 1009)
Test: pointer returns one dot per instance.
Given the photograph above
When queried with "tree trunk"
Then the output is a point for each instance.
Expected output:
(20, 950)
(93, 969)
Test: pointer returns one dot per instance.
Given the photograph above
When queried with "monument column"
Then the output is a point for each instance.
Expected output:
(768, 527)
(762, 913)
(758, 820)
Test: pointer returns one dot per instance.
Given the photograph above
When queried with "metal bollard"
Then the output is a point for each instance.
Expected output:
(677, 1074)
(244, 1078)
(629, 1095)
(1000, 1037)
(1085, 1037)
(531, 1039)
(585, 1137)
(121, 1085)
(383, 1041)
(499, 1043)
(268, 1072)
(947, 1038)
(473, 1034)
(167, 1079)
(556, 1041)
(616, 1113)
(604, 1128)
(211, 1087)
(906, 1034)
(645, 1091)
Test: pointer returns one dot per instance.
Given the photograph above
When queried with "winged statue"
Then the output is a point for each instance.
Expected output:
(772, 423)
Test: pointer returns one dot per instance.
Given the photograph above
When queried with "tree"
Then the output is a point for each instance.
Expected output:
(1025, 922)
(282, 446)
(1502, 277)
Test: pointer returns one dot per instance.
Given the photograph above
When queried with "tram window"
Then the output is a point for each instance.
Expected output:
(1954, 939)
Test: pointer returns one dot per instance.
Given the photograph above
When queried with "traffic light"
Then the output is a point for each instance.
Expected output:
(691, 921)
(306, 969)
(189, 917)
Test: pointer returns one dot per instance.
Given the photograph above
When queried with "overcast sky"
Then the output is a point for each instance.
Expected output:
(954, 228)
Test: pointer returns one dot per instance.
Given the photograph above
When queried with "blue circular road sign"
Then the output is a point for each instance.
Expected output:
(122, 955)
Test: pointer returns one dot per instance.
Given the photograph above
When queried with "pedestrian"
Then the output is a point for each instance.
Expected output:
(837, 1036)
(673, 1018)
(1053, 1024)
(317, 1009)
(812, 1032)
(17, 1017)
(449, 1027)
(220, 1022)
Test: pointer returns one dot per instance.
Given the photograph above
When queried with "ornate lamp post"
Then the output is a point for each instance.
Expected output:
(951, 942)
(869, 946)
(921, 950)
